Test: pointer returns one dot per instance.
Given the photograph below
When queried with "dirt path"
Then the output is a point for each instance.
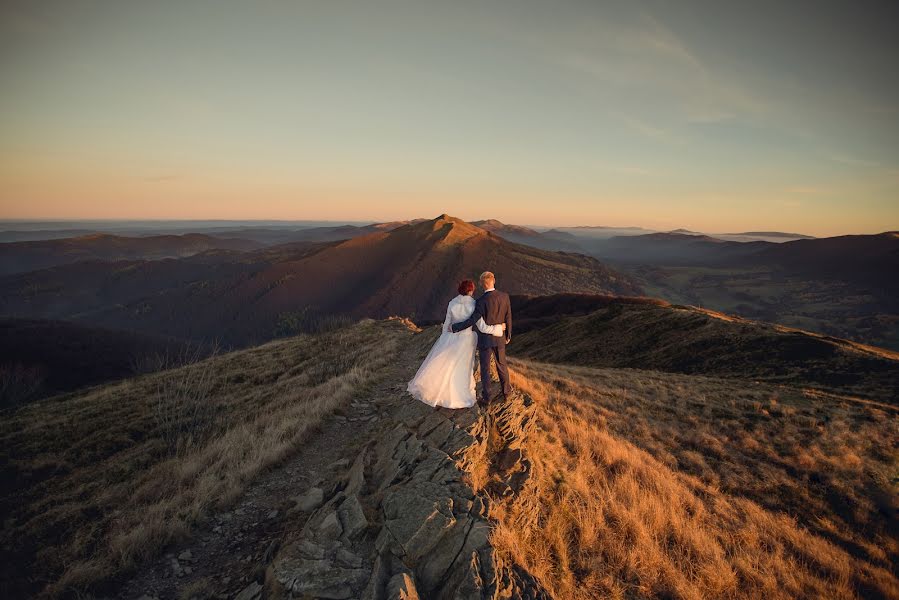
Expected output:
(378, 504)
(232, 549)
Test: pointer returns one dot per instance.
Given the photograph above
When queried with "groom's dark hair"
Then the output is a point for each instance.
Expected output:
(466, 286)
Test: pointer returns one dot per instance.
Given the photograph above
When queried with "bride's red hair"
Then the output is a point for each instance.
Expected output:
(466, 286)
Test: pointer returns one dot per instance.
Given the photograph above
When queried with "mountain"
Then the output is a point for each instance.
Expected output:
(871, 259)
(672, 248)
(599, 331)
(345, 232)
(241, 297)
(302, 467)
(40, 358)
(602, 232)
(763, 236)
(522, 235)
(19, 257)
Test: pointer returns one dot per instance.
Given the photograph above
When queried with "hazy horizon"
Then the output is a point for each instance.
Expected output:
(708, 116)
(24, 224)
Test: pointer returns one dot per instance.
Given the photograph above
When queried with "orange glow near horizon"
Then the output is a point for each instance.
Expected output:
(662, 117)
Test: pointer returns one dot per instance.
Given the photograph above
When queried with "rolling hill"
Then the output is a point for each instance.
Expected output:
(20, 257)
(245, 297)
(552, 240)
(301, 467)
(40, 358)
(671, 248)
(865, 259)
(600, 331)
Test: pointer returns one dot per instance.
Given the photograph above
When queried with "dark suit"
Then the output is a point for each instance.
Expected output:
(494, 307)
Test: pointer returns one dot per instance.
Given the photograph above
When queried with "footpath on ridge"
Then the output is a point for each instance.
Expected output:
(378, 505)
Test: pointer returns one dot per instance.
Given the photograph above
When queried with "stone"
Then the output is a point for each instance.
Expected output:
(320, 578)
(356, 476)
(471, 587)
(330, 527)
(352, 519)
(310, 550)
(418, 514)
(272, 515)
(439, 434)
(310, 500)
(186, 555)
(345, 558)
(439, 560)
(402, 587)
(251, 592)
(380, 575)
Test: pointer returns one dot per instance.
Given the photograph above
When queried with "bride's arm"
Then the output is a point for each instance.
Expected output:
(497, 330)
(449, 319)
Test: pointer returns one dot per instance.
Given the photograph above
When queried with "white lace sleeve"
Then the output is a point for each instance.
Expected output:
(449, 318)
(496, 330)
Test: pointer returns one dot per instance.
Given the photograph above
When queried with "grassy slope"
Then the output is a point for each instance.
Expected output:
(91, 486)
(660, 485)
(643, 483)
(689, 340)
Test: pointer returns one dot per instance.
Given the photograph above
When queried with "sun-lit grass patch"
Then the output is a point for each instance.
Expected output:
(648, 485)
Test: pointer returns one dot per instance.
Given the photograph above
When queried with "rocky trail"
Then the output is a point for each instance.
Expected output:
(379, 504)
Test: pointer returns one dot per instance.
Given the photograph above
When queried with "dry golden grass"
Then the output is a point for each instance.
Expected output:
(655, 485)
(94, 488)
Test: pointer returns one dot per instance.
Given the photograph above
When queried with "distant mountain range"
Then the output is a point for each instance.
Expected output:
(297, 275)
(243, 296)
(19, 257)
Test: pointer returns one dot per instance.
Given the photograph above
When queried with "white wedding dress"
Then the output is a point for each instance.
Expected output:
(446, 377)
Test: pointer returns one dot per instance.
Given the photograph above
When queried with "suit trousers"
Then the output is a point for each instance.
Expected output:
(499, 354)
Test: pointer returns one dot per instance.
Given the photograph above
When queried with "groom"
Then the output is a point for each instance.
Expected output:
(494, 307)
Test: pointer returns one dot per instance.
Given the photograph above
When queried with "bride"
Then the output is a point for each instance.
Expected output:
(446, 377)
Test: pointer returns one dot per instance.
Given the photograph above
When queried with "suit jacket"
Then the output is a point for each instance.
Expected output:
(495, 308)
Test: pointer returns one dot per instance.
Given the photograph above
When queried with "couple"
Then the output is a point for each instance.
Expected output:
(446, 377)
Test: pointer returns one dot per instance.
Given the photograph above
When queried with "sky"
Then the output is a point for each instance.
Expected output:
(715, 116)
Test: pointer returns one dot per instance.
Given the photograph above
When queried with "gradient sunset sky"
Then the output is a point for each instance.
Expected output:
(714, 116)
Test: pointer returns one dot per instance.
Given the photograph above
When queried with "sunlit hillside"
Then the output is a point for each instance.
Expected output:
(656, 485)
(301, 467)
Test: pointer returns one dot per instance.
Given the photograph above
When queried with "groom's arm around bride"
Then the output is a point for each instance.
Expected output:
(495, 308)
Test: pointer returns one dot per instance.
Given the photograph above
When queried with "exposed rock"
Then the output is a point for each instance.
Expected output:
(320, 578)
(352, 518)
(311, 500)
(417, 515)
(356, 475)
(345, 558)
(307, 549)
(403, 523)
(251, 592)
(338, 464)
(330, 527)
(402, 587)
(471, 586)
